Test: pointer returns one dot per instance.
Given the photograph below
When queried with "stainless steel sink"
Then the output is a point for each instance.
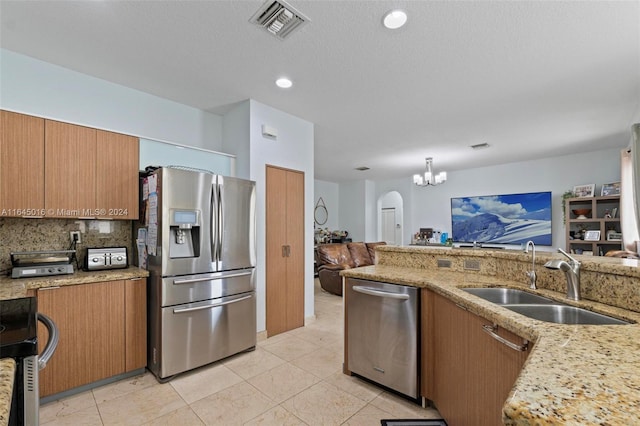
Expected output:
(563, 314)
(504, 296)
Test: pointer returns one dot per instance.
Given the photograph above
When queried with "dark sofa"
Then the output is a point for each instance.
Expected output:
(333, 258)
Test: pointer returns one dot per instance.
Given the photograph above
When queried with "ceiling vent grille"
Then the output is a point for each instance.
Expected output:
(278, 18)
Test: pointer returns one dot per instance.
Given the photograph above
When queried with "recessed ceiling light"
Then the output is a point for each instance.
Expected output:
(284, 83)
(395, 19)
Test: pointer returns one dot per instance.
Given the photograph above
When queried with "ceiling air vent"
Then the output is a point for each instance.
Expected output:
(279, 18)
(480, 146)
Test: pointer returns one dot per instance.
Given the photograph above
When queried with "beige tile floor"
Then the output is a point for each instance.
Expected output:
(293, 378)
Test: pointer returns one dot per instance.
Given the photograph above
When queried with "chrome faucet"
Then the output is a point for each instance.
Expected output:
(532, 273)
(571, 271)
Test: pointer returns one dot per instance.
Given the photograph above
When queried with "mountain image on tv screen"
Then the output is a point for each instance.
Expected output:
(502, 219)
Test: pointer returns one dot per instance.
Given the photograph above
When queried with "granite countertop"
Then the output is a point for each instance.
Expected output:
(7, 375)
(11, 288)
(575, 374)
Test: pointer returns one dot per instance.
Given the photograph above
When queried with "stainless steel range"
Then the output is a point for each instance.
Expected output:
(19, 340)
(201, 257)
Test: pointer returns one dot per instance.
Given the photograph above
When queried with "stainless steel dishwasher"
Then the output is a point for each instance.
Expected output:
(382, 334)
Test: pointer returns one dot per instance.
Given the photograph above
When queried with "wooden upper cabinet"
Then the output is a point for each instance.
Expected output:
(21, 164)
(53, 169)
(117, 175)
(70, 170)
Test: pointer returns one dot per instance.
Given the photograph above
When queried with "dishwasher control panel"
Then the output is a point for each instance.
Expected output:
(106, 258)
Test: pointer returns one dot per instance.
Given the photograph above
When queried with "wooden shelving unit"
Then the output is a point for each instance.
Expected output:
(596, 220)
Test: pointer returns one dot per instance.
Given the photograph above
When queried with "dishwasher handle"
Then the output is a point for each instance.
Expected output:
(52, 343)
(380, 293)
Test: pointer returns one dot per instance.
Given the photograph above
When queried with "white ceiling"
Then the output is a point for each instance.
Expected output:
(533, 79)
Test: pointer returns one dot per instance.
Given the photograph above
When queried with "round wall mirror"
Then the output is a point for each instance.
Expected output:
(320, 214)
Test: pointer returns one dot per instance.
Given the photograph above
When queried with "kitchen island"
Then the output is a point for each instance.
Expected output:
(575, 374)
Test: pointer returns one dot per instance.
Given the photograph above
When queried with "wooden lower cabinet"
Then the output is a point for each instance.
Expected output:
(467, 373)
(135, 324)
(102, 332)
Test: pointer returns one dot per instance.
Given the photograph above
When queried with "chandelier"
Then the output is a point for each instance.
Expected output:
(429, 177)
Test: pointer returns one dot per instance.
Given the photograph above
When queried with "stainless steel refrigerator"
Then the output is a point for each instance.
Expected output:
(201, 291)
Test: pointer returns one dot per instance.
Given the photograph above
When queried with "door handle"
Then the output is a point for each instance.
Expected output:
(380, 293)
(52, 343)
(218, 277)
(284, 251)
(215, 305)
(491, 331)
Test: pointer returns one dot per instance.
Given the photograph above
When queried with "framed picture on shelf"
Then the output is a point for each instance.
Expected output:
(610, 189)
(583, 191)
(614, 236)
(592, 236)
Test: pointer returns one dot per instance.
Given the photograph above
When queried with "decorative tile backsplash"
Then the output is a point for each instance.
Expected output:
(19, 234)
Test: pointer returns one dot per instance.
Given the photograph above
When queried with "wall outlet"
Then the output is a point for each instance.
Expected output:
(75, 236)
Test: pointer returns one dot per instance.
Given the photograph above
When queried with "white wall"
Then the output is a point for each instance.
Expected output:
(38, 88)
(329, 192)
(293, 149)
(430, 207)
(352, 208)
(370, 213)
(236, 139)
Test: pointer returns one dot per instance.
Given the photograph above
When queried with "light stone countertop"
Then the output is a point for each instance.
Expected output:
(7, 375)
(14, 288)
(575, 374)
(11, 288)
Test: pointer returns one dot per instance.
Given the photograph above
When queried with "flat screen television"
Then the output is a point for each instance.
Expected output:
(502, 219)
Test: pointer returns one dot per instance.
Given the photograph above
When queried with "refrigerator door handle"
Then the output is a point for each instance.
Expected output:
(220, 220)
(220, 277)
(214, 305)
(212, 225)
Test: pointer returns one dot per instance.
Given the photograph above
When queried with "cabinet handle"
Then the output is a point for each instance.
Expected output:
(464, 308)
(48, 288)
(135, 279)
(491, 331)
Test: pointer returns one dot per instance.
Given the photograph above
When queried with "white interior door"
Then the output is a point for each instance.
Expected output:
(389, 225)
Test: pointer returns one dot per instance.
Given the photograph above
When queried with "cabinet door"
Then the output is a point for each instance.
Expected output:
(276, 235)
(447, 359)
(70, 170)
(135, 330)
(21, 164)
(285, 249)
(90, 319)
(469, 373)
(117, 167)
(295, 252)
(492, 370)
